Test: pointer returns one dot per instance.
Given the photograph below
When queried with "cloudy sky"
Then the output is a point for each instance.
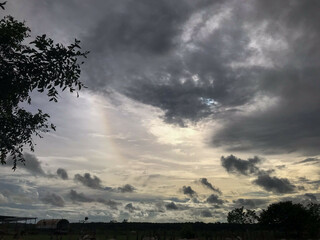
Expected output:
(193, 108)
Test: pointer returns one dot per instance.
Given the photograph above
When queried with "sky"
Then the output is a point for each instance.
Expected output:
(192, 108)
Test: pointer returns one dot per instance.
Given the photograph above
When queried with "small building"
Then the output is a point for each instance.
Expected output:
(56, 225)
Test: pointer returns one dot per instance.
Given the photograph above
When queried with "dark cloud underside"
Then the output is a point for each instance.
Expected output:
(79, 197)
(31, 164)
(53, 199)
(275, 184)
(171, 206)
(126, 188)
(214, 199)
(244, 167)
(91, 182)
(158, 53)
(187, 190)
(62, 173)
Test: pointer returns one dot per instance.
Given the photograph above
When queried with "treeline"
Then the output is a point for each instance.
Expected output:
(294, 218)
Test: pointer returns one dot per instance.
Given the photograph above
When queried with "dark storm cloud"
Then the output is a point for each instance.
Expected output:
(138, 41)
(91, 182)
(275, 184)
(171, 206)
(236, 165)
(250, 203)
(207, 184)
(291, 124)
(62, 173)
(165, 54)
(138, 50)
(126, 188)
(214, 199)
(79, 197)
(187, 190)
(53, 199)
(206, 214)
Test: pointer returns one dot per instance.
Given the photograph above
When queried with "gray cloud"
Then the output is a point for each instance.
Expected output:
(31, 164)
(62, 173)
(112, 204)
(91, 182)
(250, 203)
(146, 64)
(187, 190)
(189, 76)
(206, 214)
(311, 196)
(167, 54)
(207, 184)
(53, 199)
(236, 165)
(314, 184)
(171, 206)
(274, 184)
(214, 199)
(126, 188)
(130, 207)
(309, 161)
(79, 197)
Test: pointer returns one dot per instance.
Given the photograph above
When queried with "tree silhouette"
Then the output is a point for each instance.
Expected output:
(286, 215)
(242, 216)
(39, 66)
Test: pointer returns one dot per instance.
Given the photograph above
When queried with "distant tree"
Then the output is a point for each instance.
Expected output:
(242, 216)
(39, 66)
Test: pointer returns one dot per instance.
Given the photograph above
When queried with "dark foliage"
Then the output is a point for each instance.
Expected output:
(242, 216)
(295, 219)
(39, 66)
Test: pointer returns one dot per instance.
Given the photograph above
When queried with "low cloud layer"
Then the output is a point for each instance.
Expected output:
(208, 185)
(214, 199)
(130, 207)
(171, 206)
(91, 182)
(126, 188)
(274, 184)
(206, 214)
(112, 204)
(250, 203)
(311, 196)
(79, 197)
(53, 199)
